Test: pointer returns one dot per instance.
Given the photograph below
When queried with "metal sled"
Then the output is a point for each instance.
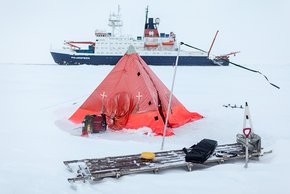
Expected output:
(117, 166)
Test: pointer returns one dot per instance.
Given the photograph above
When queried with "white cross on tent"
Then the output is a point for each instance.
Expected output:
(103, 96)
(138, 97)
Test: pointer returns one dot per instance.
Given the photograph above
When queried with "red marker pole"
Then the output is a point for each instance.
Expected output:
(208, 53)
(247, 132)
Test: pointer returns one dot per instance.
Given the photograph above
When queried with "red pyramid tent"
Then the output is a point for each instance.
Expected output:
(132, 96)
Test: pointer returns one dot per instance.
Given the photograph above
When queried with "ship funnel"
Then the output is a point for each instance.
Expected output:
(131, 50)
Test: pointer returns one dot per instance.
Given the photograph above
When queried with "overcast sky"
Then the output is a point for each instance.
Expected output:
(260, 29)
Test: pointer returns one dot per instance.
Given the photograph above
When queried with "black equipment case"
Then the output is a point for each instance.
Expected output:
(200, 152)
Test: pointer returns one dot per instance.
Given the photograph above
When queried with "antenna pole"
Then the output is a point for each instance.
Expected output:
(146, 16)
(170, 98)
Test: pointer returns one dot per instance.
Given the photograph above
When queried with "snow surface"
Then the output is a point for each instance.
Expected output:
(36, 137)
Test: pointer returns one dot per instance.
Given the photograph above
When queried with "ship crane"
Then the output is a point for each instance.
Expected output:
(220, 57)
(72, 43)
(226, 56)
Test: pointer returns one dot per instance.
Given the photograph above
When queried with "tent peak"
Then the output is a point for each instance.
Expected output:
(131, 50)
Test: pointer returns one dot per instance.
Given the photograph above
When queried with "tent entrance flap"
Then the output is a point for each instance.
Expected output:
(118, 109)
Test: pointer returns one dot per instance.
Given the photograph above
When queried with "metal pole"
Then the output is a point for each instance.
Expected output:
(247, 152)
(170, 98)
(247, 133)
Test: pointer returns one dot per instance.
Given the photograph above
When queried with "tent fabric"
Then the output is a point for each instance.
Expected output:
(132, 96)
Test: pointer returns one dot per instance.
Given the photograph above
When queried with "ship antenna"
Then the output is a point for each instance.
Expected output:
(146, 16)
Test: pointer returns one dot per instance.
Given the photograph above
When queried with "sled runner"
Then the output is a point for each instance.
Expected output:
(117, 166)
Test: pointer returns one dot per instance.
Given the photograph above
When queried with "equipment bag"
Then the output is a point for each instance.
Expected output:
(200, 152)
(254, 141)
(99, 123)
(94, 124)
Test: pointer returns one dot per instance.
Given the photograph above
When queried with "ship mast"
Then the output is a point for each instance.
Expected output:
(116, 23)
(146, 17)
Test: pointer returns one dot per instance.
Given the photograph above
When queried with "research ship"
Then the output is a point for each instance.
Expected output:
(155, 48)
